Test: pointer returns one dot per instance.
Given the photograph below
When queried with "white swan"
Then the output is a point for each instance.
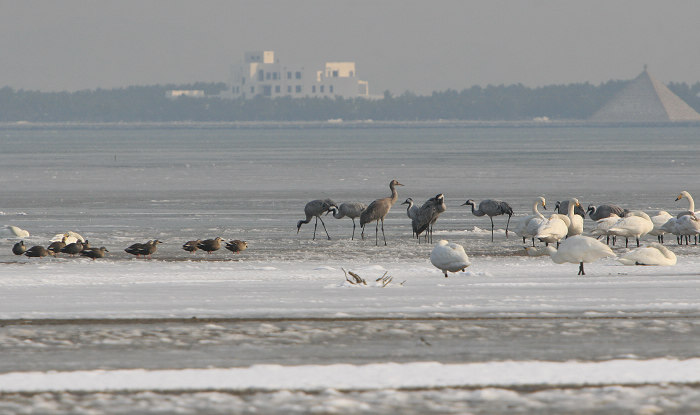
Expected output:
(553, 229)
(527, 226)
(659, 220)
(71, 237)
(18, 232)
(580, 249)
(687, 226)
(636, 224)
(575, 221)
(602, 228)
(652, 254)
(691, 204)
(449, 256)
(671, 226)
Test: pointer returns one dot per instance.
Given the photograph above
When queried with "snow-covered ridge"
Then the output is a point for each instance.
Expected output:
(418, 375)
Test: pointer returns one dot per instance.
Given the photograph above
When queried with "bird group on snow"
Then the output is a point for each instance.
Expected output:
(563, 228)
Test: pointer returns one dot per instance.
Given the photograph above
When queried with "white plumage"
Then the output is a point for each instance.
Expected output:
(18, 232)
(527, 226)
(652, 254)
(635, 225)
(659, 220)
(602, 227)
(579, 249)
(71, 237)
(554, 229)
(449, 256)
(575, 221)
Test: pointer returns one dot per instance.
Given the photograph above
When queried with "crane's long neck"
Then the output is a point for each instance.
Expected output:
(476, 212)
(394, 194)
(337, 214)
(408, 209)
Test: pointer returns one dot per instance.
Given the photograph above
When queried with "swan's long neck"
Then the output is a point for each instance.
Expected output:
(572, 206)
(691, 202)
(534, 209)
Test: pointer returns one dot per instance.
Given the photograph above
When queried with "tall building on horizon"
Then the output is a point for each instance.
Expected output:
(260, 74)
(645, 99)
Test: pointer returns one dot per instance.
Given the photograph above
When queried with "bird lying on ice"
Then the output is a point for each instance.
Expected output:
(652, 254)
(449, 256)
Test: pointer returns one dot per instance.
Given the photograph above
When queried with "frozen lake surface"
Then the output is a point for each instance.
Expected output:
(283, 305)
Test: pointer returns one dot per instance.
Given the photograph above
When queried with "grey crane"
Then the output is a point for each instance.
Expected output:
(491, 207)
(411, 211)
(427, 215)
(563, 208)
(316, 208)
(350, 209)
(377, 210)
(605, 211)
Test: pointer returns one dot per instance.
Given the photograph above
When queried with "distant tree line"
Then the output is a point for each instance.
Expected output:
(150, 104)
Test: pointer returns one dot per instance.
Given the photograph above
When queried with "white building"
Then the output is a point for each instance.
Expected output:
(261, 74)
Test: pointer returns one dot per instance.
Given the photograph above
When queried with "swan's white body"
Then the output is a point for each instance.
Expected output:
(635, 225)
(449, 256)
(602, 226)
(575, 221)
(688, 225)
(540, 251)
(659, 220)
(18, 232)
(71, 237)
(579, 249)
(553, 229)
(527, 226)
(652, 254)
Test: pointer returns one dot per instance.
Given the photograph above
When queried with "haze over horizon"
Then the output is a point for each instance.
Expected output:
(423, 47)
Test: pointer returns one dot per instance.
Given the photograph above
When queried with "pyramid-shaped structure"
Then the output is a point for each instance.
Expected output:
(645, 99)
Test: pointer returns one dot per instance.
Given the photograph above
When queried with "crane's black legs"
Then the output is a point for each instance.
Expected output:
(491, 228)
(324, 228)
(383, 232)
(353, 229)
(315, 226)
(507, 223)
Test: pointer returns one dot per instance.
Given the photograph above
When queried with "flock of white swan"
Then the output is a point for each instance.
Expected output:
(572, 247)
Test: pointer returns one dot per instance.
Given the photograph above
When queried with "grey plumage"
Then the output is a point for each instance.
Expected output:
(95, 253)
(19, 248)
(316, 208)
(191, 246)
(427, 215)
(563, 208)
(73, 248)
(236, 246)
(352, 210)
(37, 251)
(605, 211)
(56, 246)
(491, 207)
(147, 249)
(210, 245)
(377, 210)
(411, 212)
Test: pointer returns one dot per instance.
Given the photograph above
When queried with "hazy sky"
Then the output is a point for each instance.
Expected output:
(398, 45)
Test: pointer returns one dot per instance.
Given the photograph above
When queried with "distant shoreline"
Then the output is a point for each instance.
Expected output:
(333, 124)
